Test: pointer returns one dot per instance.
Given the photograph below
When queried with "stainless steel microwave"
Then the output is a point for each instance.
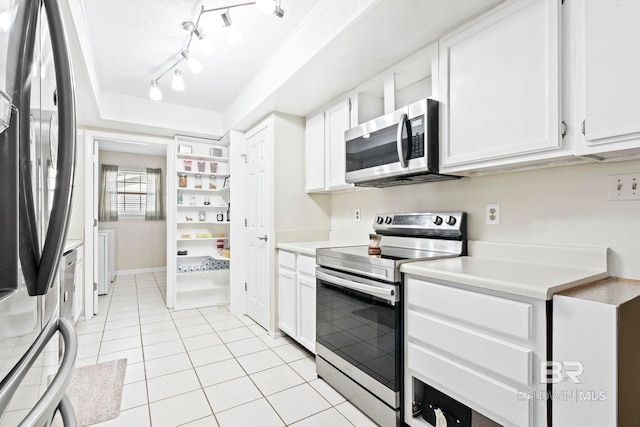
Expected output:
(398, 148)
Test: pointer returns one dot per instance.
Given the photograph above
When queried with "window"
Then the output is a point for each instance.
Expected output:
(132, 192)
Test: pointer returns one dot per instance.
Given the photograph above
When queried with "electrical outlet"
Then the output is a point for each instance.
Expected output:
(624, 187)
(356, 215)
(492, 213)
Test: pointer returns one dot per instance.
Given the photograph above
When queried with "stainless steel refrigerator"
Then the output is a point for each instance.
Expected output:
(37, 163)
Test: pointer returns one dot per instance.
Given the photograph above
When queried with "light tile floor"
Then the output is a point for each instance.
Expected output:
(204, 367)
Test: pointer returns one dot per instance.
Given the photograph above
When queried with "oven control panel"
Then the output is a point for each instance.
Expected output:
(443, 224)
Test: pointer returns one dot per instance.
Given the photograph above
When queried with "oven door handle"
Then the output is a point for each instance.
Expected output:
(386, 294)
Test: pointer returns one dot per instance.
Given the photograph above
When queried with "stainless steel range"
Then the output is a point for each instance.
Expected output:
(359, 307)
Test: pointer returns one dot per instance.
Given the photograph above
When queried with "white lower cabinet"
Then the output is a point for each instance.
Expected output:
(297, 297)
(483, 350)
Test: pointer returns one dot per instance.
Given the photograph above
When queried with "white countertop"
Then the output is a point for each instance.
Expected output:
(537, 281)
(532, 271)
(72, 244)
(309, 248)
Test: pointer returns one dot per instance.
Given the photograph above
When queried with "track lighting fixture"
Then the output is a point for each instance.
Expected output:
(194, 28)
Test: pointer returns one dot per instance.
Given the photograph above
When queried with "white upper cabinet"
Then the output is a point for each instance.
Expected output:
(337, 121)
(500, 88)
(608, 66)
(315, 153)
(325, 145)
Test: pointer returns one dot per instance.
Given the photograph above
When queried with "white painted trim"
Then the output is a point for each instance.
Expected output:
(89, 137)
(141, 271)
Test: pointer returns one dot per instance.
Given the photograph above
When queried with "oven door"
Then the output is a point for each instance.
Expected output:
(358, 331)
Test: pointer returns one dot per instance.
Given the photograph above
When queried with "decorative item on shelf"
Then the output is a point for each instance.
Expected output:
(212, 183)
(202, 216)
(189, 219)
(220, 245)
(221, 234)
(226, 253)
(183, 252)
(207, 201)
(198, 181)
(219, 217)
(215, 152)
(180, 198)
(227, 182)
(374, 244)
(201, 166)
(192, 200)
(182, 182)
(187, 165)
(185, 149)
(213, 166)
(185, 236)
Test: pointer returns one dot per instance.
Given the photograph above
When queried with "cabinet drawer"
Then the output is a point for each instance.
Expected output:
(483, 311)
(307, 265)
(287, 259)
(498, 401)
(495, 355)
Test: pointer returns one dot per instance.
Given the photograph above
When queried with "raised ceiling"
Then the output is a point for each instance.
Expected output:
(134, 41)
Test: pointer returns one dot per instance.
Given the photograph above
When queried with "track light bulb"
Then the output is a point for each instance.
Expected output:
(154, 92)
(194, 65)
(270, 7)
(178, 82)
(233, 34)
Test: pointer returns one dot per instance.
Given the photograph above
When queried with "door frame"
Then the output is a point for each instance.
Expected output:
(91, 137)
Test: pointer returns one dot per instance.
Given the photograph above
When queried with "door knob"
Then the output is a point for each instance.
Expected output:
(262, 238)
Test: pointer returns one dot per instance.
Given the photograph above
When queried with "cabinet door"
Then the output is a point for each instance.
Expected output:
(500, 87)
(608, 70)
(315, 156)
(307, 311)
(287, 301)
(337, 122)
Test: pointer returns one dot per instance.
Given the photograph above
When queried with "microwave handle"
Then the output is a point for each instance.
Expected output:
(401, 124)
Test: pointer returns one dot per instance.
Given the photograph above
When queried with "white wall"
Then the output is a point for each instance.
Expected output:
(140, 244)
(563, 206)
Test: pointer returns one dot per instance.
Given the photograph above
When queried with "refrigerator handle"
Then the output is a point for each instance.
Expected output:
(9, 140)
(61, 206)
(66, 412)
(44, 410)
(52, 396)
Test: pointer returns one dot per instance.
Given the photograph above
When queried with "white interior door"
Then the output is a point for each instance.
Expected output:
(260, 274)
(96, 183)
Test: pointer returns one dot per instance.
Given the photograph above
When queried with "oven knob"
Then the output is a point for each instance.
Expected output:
(437, 220)
(451, 220)
(379, 220)
(388, 220)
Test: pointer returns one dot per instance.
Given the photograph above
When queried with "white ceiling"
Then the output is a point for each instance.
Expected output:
(133, 42)
(319, 51)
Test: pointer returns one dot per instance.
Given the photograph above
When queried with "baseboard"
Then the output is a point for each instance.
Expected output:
(141, 271)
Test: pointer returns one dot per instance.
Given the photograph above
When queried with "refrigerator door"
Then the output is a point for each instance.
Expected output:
(36, 179)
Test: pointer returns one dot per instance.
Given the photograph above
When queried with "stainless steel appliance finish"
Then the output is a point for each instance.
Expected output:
(67, 283)
(37, 162)
(359, 307)
(398, 148)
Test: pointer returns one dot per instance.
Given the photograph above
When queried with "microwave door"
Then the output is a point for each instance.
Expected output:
(372, 149)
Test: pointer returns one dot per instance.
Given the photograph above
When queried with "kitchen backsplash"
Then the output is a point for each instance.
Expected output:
(565, 205)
